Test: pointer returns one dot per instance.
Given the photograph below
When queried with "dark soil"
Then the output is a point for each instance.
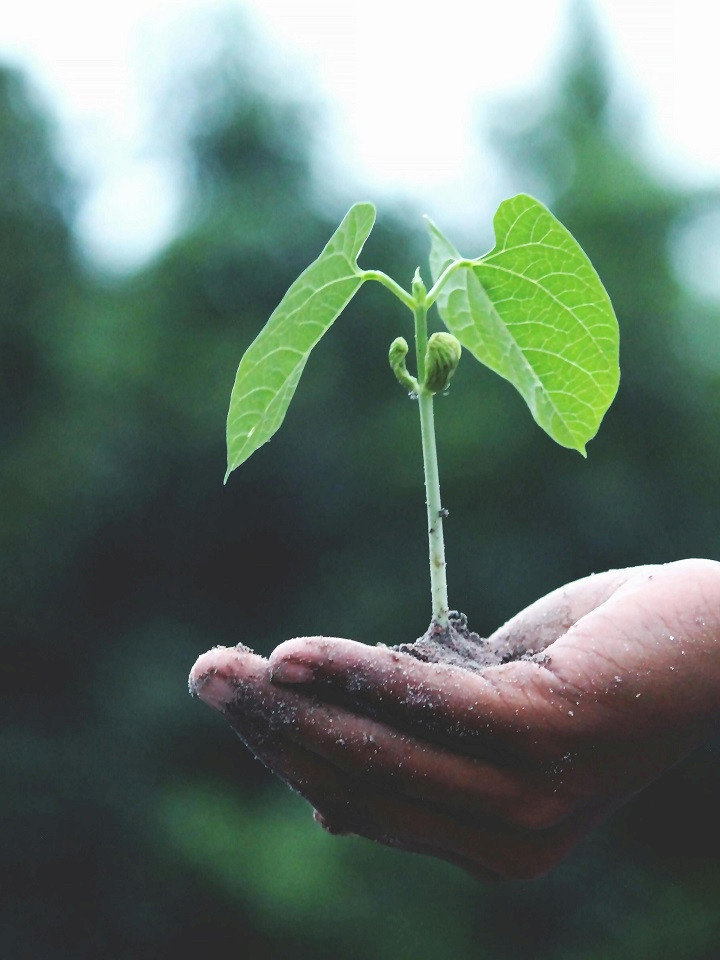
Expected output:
(456, 645)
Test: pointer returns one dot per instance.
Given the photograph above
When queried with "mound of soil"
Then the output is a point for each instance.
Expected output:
(456, 645)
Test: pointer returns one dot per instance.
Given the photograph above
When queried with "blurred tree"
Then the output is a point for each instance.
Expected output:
(41, 278)
(34, 240)
(38, 274)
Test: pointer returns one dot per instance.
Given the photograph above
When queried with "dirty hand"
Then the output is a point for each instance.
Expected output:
(605, 683)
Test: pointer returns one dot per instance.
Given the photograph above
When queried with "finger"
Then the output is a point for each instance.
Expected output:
(219, 674)
(474, 869)
(347, 805)
(236, 682)
(537, 626)
(402, 824)
(344, 805)
(366, 748)
(502, 715)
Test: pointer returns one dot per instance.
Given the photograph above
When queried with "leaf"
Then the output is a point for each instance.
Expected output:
(270, 368)
(534, 311)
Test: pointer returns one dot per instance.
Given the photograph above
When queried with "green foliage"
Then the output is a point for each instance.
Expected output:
(270, 369)
(534, 311)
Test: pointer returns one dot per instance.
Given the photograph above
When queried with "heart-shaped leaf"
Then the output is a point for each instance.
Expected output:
(534, 311)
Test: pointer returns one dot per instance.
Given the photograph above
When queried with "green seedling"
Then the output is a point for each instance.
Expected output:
(533, 309)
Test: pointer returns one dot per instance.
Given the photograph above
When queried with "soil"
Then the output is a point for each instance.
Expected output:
(458, 646)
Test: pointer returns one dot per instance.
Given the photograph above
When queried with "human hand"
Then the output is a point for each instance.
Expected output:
(607, 683)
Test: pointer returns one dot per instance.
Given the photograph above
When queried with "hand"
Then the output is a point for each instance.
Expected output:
(607, 683)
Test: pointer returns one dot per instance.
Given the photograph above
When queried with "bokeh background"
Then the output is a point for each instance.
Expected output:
(134, 824)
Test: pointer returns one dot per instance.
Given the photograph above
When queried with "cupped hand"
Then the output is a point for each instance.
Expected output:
(598, 688)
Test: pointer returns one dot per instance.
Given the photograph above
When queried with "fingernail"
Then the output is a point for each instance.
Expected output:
(214, 688)
(211, 677)
(290, 671)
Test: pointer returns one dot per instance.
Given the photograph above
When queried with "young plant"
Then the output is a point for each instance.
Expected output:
(533, 309)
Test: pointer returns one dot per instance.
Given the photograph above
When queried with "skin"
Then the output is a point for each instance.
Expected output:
(501, 771)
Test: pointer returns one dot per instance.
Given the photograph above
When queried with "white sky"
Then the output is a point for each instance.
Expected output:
(404, 85)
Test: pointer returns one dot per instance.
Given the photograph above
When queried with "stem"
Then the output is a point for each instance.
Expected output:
(420, 313)
(441, 280)
(438, 578)
(394, 287)
(419, 302)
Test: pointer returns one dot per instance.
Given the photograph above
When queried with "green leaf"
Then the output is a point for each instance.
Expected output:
(270, 369)
(534, 311)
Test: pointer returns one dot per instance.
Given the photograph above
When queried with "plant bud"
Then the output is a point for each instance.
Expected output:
(441, 360)
(398, 352)
(419, 290)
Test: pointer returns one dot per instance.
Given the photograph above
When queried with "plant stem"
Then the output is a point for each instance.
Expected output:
(438, 578)
(444, 276)
(392, 285)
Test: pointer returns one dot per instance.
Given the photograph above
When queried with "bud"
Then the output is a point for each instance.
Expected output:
(441, 360)
(398, 352)
(419, 290)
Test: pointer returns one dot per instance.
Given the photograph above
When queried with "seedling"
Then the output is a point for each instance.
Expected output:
(533, 309)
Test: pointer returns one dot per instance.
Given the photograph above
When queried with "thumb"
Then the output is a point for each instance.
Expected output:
(537, 626)
(652, 648)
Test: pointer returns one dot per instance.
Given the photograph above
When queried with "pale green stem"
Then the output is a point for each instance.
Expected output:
(438, 577)
(441, 280)
(421, 338)
(418, 302)
(392, 285)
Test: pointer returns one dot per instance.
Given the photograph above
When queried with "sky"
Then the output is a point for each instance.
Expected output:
(403, 93)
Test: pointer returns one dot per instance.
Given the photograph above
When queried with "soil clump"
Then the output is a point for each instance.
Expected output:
(455, 645)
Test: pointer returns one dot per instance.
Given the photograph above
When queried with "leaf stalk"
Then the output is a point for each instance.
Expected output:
(445, 275)
(391, 285)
